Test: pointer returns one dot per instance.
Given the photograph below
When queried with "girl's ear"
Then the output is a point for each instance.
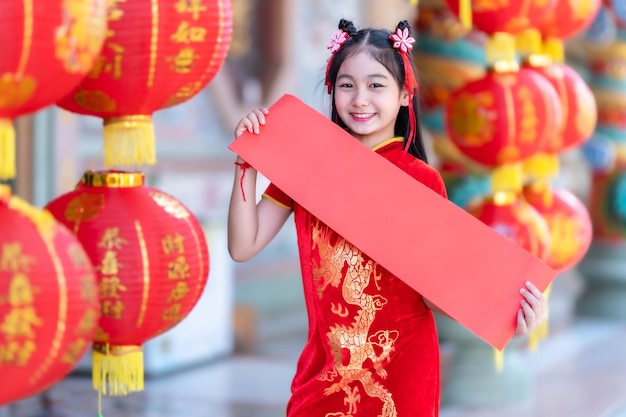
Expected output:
(404, 98)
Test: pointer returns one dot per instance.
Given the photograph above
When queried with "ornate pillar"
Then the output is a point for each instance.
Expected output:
(604, 267)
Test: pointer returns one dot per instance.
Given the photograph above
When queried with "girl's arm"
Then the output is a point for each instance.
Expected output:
(251, 226)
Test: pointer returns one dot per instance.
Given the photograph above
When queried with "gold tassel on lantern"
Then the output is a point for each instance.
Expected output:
(553, 47)
(129, 141)
(541, 332)
(500, 52)
(465, 13)
(7, 150)
(498, 359)
(541, 166)
(117, 370)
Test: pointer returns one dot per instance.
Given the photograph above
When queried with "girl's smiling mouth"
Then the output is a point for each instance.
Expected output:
(362, 116)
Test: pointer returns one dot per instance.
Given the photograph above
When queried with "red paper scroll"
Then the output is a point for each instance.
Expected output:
(463, 266)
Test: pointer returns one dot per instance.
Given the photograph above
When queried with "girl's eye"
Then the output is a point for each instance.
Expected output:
(345, 85)
(376, 85)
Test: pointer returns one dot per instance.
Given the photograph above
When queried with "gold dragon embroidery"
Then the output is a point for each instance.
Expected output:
(352, 346)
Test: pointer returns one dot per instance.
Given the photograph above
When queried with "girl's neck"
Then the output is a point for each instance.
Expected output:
(371, 141)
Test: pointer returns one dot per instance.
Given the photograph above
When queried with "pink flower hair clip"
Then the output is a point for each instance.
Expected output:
(337, 40)
(401, 40)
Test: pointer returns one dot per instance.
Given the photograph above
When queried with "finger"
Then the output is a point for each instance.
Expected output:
(254, 119)
(522, 328)
(534, 290)
(536, 300)
(530, 316)
(243, 125)
(260, 115)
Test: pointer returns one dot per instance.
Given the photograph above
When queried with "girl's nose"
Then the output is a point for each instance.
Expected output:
(360, 97)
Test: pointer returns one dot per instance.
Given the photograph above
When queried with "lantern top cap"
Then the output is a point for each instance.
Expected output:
(113, 179)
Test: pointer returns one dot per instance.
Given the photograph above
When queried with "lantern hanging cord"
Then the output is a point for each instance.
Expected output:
(100, 403)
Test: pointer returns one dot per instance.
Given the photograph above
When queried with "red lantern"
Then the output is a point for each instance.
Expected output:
(152, 265)
(502, 16)
(515, 219)
(48, 46)
(158, 53)
(503, 117)
(578, 104)
(568, 18)
(568, 221)
(48, 299)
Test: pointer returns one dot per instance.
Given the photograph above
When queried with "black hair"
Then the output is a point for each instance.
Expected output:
(380, 47)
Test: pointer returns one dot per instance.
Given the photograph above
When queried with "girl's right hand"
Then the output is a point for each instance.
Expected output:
(251, 122)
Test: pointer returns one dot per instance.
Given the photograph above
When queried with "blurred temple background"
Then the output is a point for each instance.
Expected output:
(236, 351)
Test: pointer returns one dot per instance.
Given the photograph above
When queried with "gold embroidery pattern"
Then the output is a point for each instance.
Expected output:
(353, 346)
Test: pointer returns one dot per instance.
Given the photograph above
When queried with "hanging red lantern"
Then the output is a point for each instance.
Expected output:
(504, 16)
(515, 219)
(503, 117)
(48, 46)
(576, 99)
(578, 104)
(568, 221)
(568, 18)
(158, 53)
(151, 261)
(48, 300)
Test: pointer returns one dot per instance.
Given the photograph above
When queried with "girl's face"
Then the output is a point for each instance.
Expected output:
(368, 98)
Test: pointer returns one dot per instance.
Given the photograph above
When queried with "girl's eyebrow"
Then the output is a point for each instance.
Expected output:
(348, 76)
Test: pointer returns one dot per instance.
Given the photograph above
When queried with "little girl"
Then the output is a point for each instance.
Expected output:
(372, 347)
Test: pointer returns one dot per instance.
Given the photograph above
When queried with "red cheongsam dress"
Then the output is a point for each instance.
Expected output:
(372, 347)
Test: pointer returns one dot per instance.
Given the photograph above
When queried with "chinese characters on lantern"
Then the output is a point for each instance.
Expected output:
(111, 287)
(187, 34)
(17, 326)
(177, 273)
(84, 329)
(105, 62)
(529, 123)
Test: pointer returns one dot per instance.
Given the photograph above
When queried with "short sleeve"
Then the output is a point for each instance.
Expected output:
(438, 185)
(278, 197)
(428, 176)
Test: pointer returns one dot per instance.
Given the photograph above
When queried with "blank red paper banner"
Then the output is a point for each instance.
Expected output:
(463, 266)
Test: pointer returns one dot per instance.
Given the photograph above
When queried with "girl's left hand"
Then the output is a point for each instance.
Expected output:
(533, 311)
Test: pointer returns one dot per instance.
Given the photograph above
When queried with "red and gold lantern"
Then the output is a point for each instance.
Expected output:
(515, 219)
(158, 53)
(151, 261)
(503, 117)
(568, 222)
(48, 299)
(501, 16)
(48, 46)
(580, 112)
(576, 98)
(568, 18)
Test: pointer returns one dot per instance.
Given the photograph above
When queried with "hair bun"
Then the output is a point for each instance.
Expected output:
(347, 26)
(404, 25)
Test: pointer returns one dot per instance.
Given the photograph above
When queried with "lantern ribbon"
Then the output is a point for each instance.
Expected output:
(129, 141)
(7, 150)
(117, 370)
